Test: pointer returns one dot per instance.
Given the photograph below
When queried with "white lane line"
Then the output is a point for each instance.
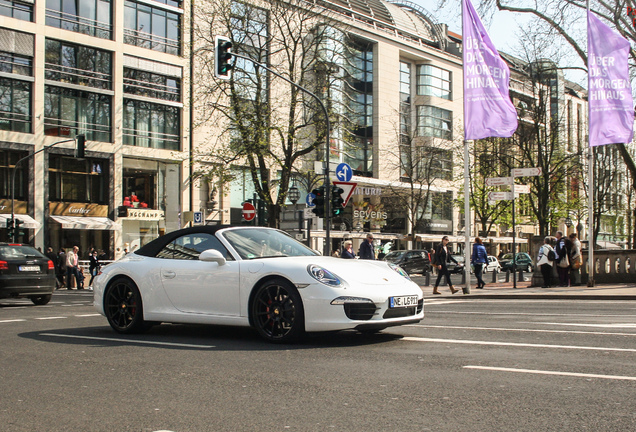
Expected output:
(71, 305)
(130, 341)
(515, 344)
(544, 372)
(88, 315)
(533, 314)
(625, 325)
(12, 320)
(521, 330)
(51, 318)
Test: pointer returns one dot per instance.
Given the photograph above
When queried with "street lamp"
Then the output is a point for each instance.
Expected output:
(568, 222)
(293, 194)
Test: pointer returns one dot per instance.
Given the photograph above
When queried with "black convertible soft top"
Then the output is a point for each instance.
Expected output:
(152, 249)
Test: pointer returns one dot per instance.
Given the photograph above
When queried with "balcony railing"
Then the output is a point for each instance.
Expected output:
(77, 76)
(16, 122)
(150, 41)
(149, 139)
(59, 19)
(69, 128)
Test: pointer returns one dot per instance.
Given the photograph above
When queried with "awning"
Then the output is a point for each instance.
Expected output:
(27, 221)
(86, 222)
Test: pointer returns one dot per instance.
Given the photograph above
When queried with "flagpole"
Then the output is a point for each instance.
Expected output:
(590, 181)
(467, 144)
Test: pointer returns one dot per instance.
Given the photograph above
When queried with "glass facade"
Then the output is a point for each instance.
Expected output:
(152, 27)
(433, 81)
(405, 120)
(434, 122)
(8, 158)
(16, 9)
(78, 64)
(91, 17)
(148, 84)
(78, 180)
(15, 94)
(152, 125)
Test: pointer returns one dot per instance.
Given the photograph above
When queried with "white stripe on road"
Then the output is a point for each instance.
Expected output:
(131, 341)
(88, 315)
(532, 314)
(513, 344)
(50, 318)
(521, 330)
(544, 372)
(13, 320)
(625, 325)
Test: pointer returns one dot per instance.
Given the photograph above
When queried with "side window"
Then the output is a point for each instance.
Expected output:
(189, 247)
(413, 255)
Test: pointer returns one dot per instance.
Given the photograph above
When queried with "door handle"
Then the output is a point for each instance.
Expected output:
(169, 274)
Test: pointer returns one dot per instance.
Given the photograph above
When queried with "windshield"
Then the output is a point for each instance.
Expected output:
(19, 252)
(252, 243)
(394, 256)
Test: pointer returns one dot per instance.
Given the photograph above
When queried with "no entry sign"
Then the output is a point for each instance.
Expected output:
(249, 212)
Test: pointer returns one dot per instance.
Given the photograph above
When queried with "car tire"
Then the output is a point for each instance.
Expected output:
(124, 308)
(277, 311)
(41, 300)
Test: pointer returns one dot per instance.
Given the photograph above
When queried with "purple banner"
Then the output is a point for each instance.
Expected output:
(609, 89)
(488, 111)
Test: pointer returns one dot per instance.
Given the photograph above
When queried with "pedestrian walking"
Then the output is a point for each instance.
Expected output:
(366, 248)
(577, 260)
(563, 258)
(479, 259)
(51, 255)
(93, 266)
(545, 261)
(61, 267)
(347, 250)
(442, 257)
(72, 268)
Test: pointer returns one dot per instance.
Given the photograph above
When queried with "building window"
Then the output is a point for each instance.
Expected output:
(16, 9)
(153, 28)
(434, 122)
(68, 112)
(91, 17)
(78, 64)
(152, 85)
(78, 180)
(405, 119)
(15, 105)
(433, 81)
(8, 159)
(441, 163)
(151, 125)
(16, 64)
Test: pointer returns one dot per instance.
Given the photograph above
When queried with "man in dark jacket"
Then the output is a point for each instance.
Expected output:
(366, 248)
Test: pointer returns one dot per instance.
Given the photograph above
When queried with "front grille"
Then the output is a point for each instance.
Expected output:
(360, 311)
(420, 305)
(399, 312)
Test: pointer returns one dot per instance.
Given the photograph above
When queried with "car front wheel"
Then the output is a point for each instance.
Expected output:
(123, 307)
(277, 312)
(41, 300)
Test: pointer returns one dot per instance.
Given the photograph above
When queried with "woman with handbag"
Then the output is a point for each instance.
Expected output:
(563, 252)
(545, 262)
(577, 260)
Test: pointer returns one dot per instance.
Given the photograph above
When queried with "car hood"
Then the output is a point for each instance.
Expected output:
(356, 271)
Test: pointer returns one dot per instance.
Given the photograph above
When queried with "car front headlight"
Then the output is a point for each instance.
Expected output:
(323, 275)
(399, 270)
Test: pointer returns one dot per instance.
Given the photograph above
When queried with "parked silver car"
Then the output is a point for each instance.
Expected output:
(493, 265)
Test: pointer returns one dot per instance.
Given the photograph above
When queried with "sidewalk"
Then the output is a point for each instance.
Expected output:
(505, 290)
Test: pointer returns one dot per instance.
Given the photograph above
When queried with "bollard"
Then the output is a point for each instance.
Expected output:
(427, 278)
(494, 277)
(463, 282)
(520, 278)
(507, 276)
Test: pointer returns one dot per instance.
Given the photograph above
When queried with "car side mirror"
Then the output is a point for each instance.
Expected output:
(212, 255)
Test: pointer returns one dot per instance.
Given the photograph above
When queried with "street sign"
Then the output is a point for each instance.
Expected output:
(497, 196)
(522, 189)
(348, 188)
(525, 172)
(249, 212)
(197, 218)
(310, 200)
(308, 213)
(499, 181)
(344, 172)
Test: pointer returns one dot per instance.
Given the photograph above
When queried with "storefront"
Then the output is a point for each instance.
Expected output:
(140, 226)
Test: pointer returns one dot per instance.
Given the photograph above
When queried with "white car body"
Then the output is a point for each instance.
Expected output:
(493, 265)
(209, 292)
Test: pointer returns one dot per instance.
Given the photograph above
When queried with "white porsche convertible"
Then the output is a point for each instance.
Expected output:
(252, 276)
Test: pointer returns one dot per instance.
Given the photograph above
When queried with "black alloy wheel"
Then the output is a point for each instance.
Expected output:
(277, 312)
(41, 300)
(123, 307)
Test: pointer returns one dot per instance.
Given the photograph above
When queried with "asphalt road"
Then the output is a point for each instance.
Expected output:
(478, 365)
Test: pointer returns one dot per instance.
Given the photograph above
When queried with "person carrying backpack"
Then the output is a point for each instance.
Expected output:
(545, 261)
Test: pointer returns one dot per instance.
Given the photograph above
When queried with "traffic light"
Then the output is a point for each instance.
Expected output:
(336, 200)
(10, 229)
(80, 147)
(16, 229)
(319, 202)
(223, 57)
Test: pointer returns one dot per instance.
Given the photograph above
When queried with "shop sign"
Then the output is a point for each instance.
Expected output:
(140, 213)
(78, 209)
(20, 207)
(367, 191)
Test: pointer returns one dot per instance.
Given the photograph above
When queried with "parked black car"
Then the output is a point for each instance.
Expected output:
(26, 272)
(411, 261)
(524, 262)
(456, 268)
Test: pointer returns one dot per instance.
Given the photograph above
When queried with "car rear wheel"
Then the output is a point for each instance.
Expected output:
(41, 300)
(277, 312)
(123, 307)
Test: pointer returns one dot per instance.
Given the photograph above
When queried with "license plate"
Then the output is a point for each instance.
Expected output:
(402, 301)
(31, 268)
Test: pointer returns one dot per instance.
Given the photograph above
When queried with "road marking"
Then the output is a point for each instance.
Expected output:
(544, 372)
(521, 330)
(131, 341)
(51, 318)
(88, 315)
(13, 320)
(514, 344)
(626, 325)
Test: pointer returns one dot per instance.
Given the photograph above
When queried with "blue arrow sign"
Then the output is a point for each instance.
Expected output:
(344, 172)
(310, 200)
